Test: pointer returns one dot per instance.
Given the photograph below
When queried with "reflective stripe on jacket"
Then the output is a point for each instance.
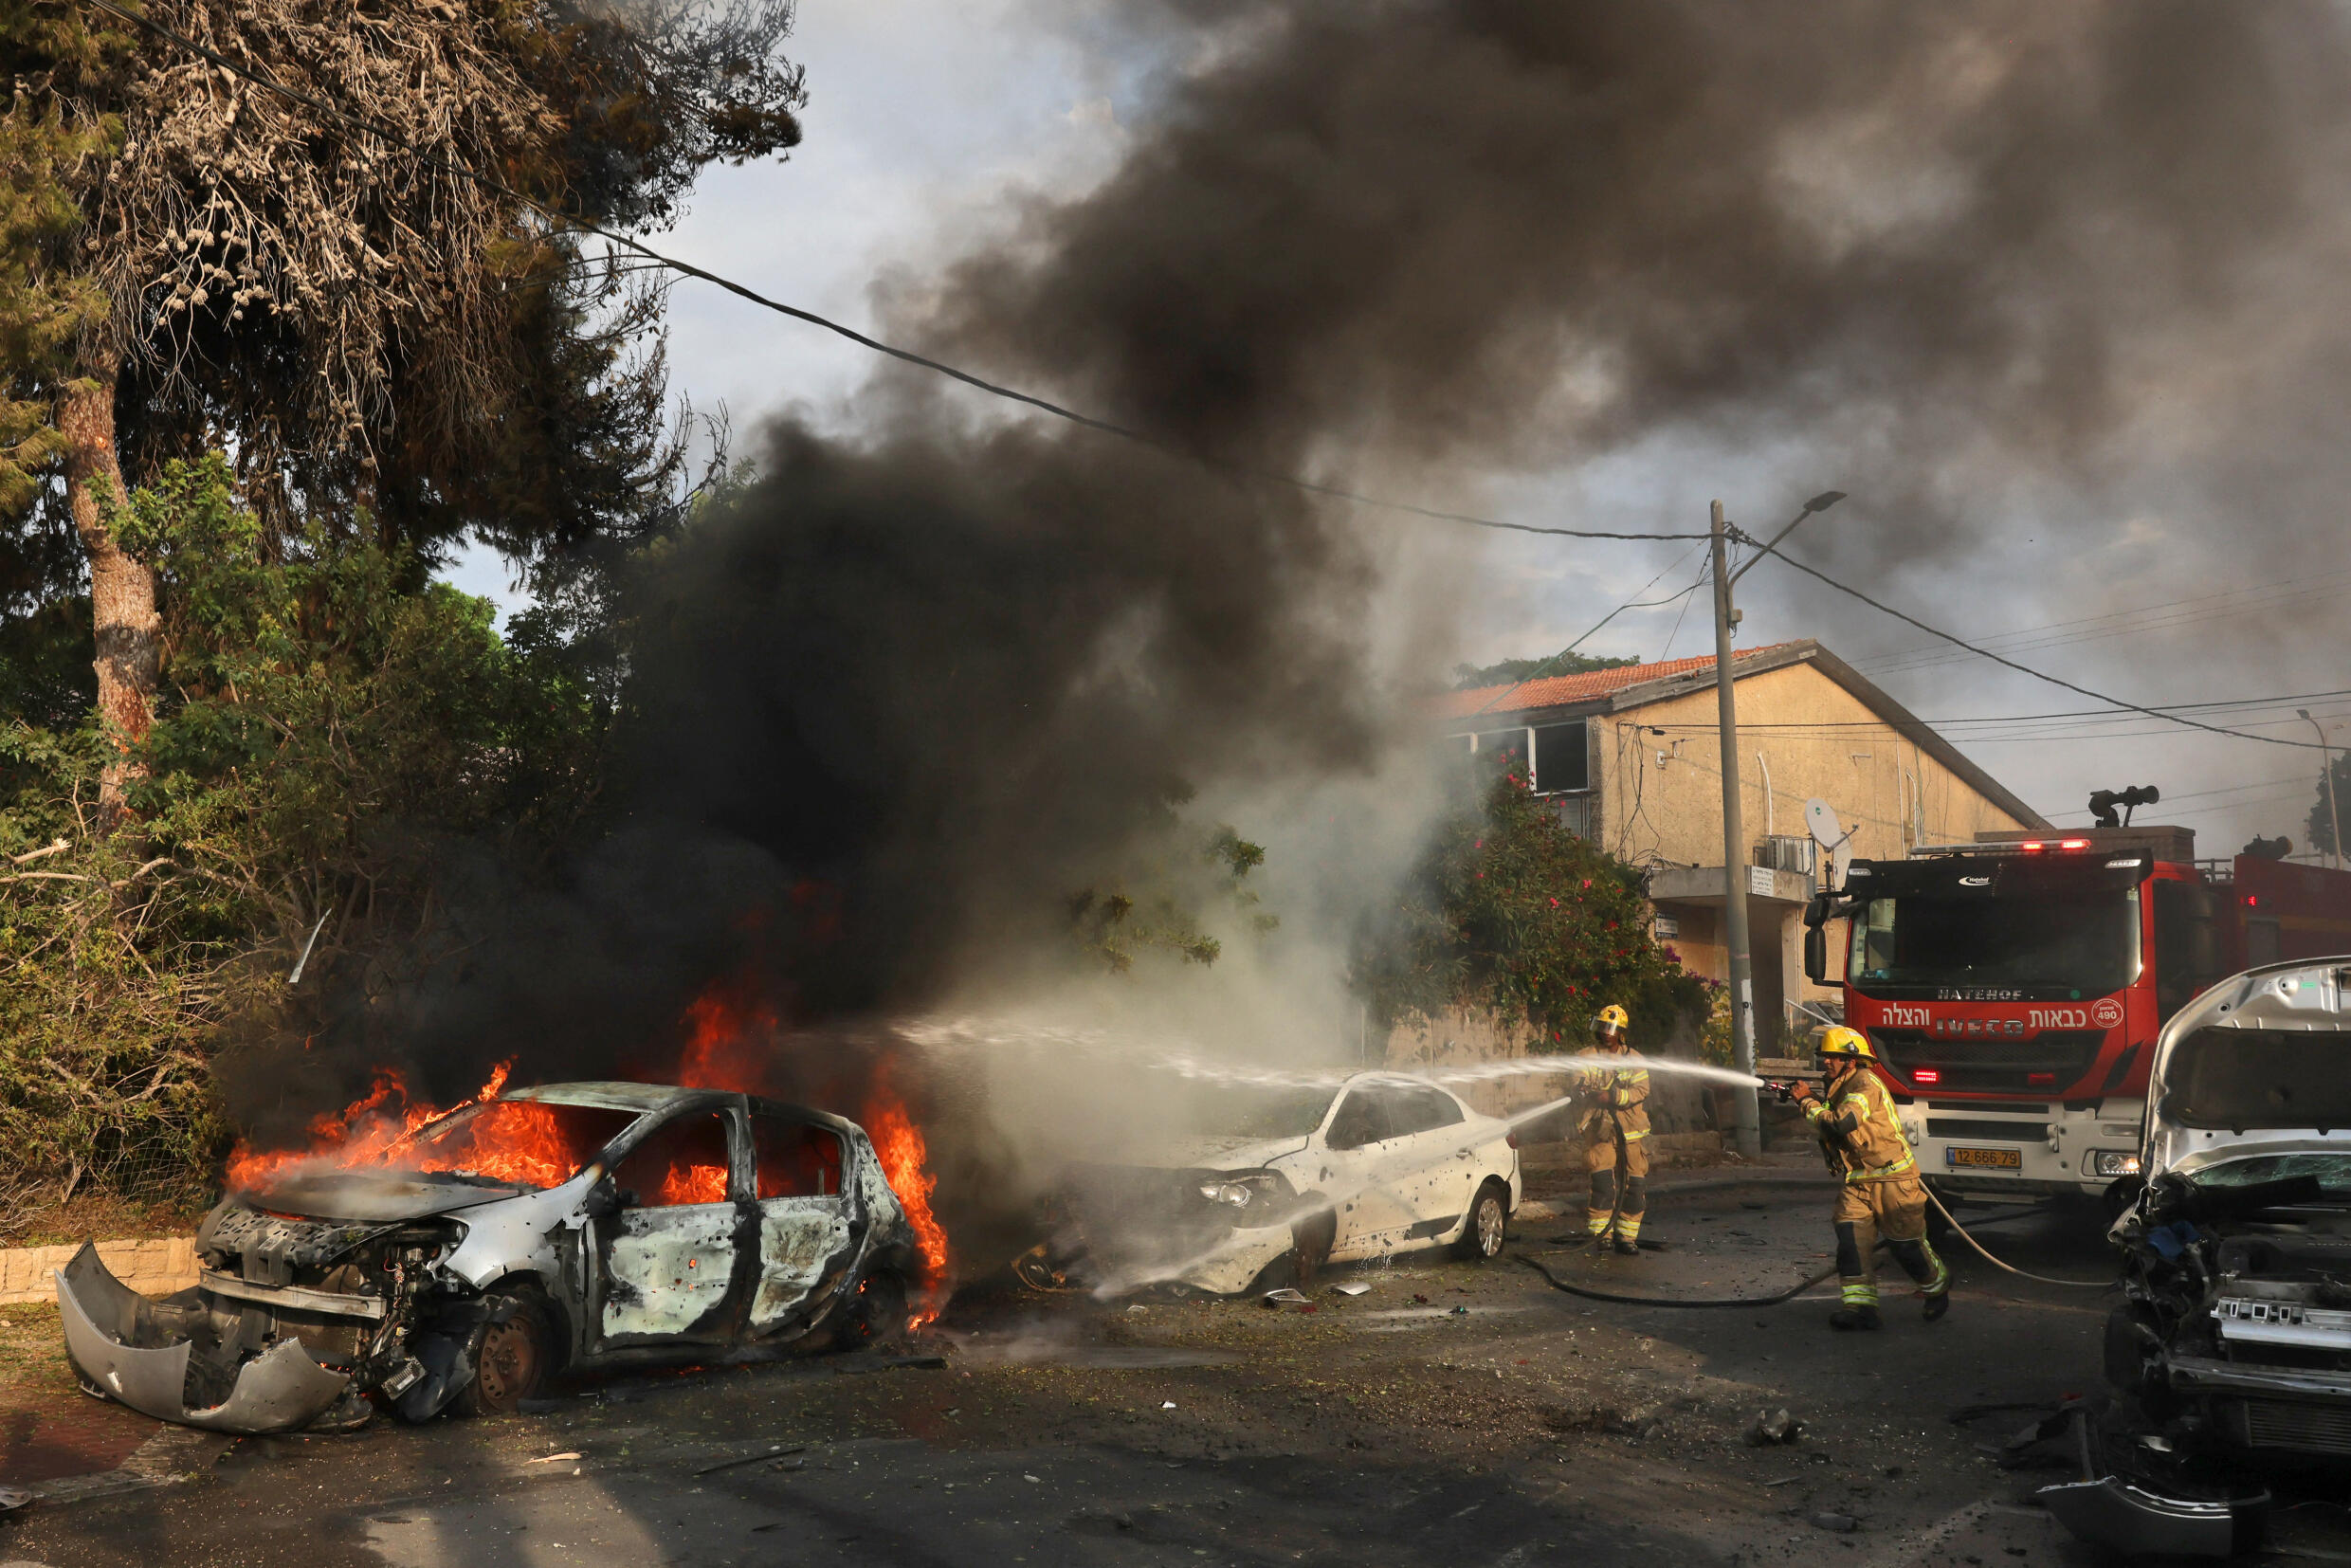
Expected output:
(1856, 1118)
(1617, 1094)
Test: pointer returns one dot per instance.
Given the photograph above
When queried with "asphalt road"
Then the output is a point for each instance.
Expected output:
(1452, 1415)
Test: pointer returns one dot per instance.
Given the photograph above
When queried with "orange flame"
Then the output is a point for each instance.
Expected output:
(900, 1146)
(370, 1131)
(728, 1039)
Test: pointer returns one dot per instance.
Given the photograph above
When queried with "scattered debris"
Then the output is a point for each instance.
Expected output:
(1773, 1427)
(747, 1459)
(551, 1458)
(12, 1498)
(1169, 1405)
(1355, 1289)
(1283, 1297)
(1841, 1524)
(893, 1363)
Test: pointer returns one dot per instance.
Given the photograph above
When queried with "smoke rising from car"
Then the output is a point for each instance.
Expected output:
(908, 694)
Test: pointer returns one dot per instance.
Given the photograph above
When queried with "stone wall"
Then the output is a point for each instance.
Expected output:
(150, 1268)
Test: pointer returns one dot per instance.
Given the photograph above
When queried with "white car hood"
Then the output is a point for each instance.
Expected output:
(1229, 1152)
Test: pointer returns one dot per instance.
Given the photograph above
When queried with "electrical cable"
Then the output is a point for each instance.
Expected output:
(2026, 669)
(1536, 674)
(638, 247)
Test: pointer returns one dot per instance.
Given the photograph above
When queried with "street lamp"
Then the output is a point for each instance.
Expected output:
(1748, 1114)
(2326, 772)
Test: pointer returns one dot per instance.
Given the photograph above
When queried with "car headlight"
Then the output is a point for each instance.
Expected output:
(1233, 1193)
(2113, 1162)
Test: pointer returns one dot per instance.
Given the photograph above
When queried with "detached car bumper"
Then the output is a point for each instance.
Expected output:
(124, 1345)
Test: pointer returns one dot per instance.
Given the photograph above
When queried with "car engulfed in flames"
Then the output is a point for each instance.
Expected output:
(438, 1261)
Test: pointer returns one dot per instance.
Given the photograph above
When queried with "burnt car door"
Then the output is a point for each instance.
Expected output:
(671, 1244)
(804, 1215)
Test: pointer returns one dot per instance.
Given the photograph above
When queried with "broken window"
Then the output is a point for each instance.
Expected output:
(2244, 1077)
(521, 1143)
(1363, 1119)
(684, 1161)
(797, 1159)
(1418, 1110)
(1561, 760)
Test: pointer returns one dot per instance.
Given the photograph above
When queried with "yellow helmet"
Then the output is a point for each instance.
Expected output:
(1610, 1021)
(1836, 1040)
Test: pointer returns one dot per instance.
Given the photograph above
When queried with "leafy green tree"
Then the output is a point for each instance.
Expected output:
(1509, 910)
(323, 743)
(2321, 821)
(382, 340)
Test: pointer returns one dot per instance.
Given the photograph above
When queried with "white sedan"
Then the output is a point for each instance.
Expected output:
(1288, 1179)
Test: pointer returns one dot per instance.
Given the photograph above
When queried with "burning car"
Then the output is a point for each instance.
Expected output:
(473, 1255)
(2236, 1327)
(1284, 1180)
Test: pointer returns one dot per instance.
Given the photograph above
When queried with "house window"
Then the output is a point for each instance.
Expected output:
(1561, 762)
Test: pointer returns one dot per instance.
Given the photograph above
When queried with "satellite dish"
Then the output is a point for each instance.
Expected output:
(1833, 836)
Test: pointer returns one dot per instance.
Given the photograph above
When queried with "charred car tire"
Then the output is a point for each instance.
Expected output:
(876, 1312)
(512, 1357)
(1487, 1226)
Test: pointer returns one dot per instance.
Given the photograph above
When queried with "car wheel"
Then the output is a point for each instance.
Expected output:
(1487, 1226)
(512, 1357)
(876, 1312)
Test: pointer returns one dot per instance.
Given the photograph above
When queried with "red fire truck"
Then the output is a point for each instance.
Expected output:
(2013, 987)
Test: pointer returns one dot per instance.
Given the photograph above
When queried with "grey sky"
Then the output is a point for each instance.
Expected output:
(929, 124)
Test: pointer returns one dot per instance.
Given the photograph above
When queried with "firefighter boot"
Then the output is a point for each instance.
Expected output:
(1937, 1303)
(1855, 1318)
(1626, 1246)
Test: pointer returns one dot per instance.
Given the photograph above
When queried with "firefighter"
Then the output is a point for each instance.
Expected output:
(1881, 1195)
(1615, 1127)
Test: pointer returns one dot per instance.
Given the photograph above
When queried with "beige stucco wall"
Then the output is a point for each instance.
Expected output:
(1660, 801)
(1816, 740)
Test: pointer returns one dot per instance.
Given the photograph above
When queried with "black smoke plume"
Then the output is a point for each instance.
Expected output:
(905, 693)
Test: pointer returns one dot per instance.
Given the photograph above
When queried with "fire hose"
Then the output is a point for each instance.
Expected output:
(1801, 1286)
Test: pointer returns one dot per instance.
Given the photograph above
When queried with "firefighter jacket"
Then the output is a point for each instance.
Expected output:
(1856, 1121)
(1616, 1097)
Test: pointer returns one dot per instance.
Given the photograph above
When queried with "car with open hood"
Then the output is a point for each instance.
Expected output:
(2235, 1330)
(1281, 1179)
(571, 1225)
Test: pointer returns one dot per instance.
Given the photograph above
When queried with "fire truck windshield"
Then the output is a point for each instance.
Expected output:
(2082, 943)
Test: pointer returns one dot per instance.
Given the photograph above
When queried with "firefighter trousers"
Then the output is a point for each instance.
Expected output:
(1894, 1208)
(1624, 1201)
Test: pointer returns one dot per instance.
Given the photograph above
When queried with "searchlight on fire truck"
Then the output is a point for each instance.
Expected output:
(2013, 987)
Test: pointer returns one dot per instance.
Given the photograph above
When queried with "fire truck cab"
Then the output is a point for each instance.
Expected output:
(2013, 988)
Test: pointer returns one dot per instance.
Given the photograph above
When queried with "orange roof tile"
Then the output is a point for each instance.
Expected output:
(1552, 691)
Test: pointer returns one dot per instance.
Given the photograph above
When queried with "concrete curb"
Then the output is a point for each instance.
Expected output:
(153, 1267)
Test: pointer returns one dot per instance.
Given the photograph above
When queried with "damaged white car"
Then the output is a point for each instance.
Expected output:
(2236, 1330)
(1282, 1180)
(570, 1225)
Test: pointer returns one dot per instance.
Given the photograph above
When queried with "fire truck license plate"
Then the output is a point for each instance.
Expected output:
(1998, 1160)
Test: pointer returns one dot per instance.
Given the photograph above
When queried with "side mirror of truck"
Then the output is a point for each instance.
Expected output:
(1816, 955)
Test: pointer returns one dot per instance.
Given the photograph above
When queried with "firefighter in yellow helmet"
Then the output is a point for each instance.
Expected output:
(1855, 1120)
(1615, 1127)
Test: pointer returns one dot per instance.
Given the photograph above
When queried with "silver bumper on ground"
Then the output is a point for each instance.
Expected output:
(114, 1343)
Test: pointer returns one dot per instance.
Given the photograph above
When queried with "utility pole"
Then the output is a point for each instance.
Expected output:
(2326, 772)
(1747, 1113)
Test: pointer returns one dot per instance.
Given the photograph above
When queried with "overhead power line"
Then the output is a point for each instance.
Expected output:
(1885, 609)
(629, 242)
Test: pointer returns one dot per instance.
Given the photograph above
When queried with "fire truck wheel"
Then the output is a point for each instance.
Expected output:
(513, 1356)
